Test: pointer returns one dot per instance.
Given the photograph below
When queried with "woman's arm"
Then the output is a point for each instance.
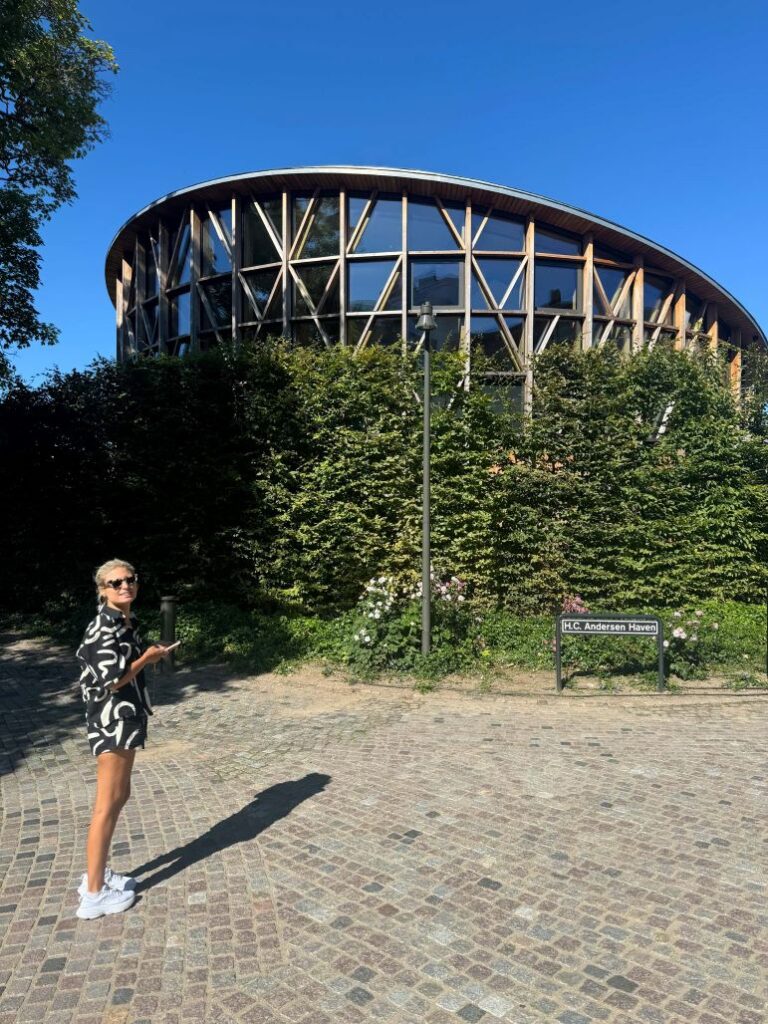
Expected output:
(152, 655)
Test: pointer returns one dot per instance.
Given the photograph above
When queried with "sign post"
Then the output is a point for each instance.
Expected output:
(587, 624)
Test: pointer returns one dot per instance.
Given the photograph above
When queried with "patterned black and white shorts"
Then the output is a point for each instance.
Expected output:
(123, 734)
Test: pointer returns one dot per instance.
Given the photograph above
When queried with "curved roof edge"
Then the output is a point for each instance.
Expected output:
(470, 184)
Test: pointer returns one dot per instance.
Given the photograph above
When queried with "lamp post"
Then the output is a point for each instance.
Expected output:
(426, 324)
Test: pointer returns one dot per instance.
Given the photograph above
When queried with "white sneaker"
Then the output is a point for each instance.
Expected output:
(122, 883)
(108, 901)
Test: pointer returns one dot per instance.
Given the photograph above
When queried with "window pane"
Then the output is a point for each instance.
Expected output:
(305, 332)
(258, 246)
(384, 331)
(656, 290)
(260, 286)
(612, 281)
(498, 274)
(427, 228)
(273, 207)
(487, 337)
(322, 234)
(446, 336)
(694, 308)
(384, 230)
(566, 332)
(179, 271)
(179, 314)
(556, 285)
(150, 271)
(366, 283)
(500, 234)
(150, 316)
(619, 335)
(219, 296)
(315, 279)
(436, 282)
(214, 258)
(556, 242)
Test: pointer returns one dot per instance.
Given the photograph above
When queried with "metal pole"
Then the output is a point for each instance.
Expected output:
(168, 629)
(426, 583)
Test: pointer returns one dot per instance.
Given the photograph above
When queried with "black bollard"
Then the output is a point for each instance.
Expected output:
(168, 630)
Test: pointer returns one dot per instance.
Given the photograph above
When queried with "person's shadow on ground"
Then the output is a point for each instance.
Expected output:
(247, 823)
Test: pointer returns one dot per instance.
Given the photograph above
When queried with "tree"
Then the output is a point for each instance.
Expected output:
(51, 82)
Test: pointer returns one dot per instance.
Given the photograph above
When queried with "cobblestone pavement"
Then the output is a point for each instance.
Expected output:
(313, 852)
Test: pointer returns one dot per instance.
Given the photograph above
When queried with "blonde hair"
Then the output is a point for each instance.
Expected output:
(103, 572)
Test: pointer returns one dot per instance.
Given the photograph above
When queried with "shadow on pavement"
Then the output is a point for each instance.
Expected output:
(268, 807)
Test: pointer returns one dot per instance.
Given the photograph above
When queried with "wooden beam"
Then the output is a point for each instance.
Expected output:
(162, 284)
(343, 229)
(236, 256)
(678, 313)
(194, 276)
(286, 277)
(527, 353)
(587, 285)
(638, 305)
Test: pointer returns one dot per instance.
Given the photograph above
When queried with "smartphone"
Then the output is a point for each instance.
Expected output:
(171, 647)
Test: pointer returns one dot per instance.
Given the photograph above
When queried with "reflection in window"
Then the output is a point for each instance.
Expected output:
(613, 282)
(214, 258)
(179, 270)
(306, 332)
(384, 331)
(427, 228)
(436, 282)
(258, 288)
(619, 335)
(500, 234)
(499, 274)
(487, 336)
(219, 298)
(258, 246)
(656, 290)
(694, 313)
(445, 337)
(179, 314)
(383, 231)
(555, 242)
(366, 283)
(556, 285)
(565, 331)
(150, 318)
(315, 278)
(150, 271)
(321, 232)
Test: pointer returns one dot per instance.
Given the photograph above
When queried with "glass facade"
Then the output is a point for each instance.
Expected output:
(352, 266)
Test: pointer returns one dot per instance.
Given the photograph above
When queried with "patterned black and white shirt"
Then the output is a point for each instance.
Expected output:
(109, 646)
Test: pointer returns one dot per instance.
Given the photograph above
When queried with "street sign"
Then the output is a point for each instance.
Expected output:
(587, 624)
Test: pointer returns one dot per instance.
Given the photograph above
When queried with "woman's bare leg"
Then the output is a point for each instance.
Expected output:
(113, 787)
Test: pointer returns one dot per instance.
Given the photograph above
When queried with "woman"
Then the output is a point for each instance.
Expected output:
(112, 657)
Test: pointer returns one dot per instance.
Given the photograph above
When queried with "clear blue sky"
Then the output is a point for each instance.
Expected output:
(651, 114)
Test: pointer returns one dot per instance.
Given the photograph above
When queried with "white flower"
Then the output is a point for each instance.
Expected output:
(694, 637)
(715, 626)
(666, 643)
(698, 614)
(679, 633)
(677, 615)
(460, 597)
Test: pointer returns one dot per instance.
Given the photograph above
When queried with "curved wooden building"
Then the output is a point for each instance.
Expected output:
(327, 255)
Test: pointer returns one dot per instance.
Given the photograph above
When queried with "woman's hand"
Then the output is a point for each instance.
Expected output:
(154, 654)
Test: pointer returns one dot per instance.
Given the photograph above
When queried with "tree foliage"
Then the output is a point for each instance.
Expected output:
(50, 86)
(275, 476)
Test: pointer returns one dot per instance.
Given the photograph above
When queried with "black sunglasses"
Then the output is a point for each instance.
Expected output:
(116, 584)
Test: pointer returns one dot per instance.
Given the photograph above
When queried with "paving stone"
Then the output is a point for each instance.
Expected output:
(312, 855)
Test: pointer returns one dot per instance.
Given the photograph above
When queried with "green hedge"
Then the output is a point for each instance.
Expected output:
(281, 479)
